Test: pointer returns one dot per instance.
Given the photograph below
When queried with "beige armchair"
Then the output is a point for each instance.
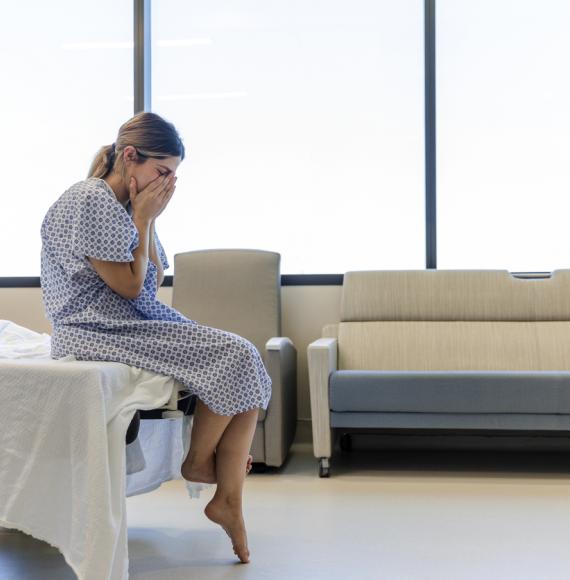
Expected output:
(240, 291)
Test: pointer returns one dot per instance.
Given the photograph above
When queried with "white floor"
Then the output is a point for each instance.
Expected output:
(390, 515)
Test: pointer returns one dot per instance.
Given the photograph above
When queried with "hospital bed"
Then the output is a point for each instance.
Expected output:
(65, 471)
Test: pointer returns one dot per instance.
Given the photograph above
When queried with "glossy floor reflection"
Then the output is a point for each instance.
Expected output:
(394, 515)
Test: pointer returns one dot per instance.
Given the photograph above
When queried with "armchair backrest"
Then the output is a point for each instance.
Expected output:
(238, 290)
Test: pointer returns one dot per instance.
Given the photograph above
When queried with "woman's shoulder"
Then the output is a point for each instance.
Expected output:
(92, 186)
(91, 194)
(77, 195)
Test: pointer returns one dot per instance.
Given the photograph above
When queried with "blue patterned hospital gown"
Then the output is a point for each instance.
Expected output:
(92, 322)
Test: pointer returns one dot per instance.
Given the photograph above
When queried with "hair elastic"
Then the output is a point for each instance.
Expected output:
(111, 159)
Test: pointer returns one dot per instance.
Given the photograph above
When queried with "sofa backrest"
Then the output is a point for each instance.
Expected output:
(454, 320)
(453, 295)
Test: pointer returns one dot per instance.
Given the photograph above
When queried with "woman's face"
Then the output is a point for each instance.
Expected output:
(150, 169)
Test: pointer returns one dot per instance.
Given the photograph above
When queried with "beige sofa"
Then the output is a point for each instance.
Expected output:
(443, 349)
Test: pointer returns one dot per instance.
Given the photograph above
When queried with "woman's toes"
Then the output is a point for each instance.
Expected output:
(242, 553)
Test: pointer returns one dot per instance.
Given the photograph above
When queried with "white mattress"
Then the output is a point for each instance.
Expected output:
(63, 465)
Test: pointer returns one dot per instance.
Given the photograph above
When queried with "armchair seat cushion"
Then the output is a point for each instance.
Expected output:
(534, 392)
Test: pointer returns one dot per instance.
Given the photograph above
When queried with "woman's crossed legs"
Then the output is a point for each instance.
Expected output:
(218, 453)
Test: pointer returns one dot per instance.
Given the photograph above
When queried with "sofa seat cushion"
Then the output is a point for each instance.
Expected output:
(450, 391)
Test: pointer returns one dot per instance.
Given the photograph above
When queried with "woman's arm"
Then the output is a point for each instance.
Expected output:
(153, 252)
(127, 278)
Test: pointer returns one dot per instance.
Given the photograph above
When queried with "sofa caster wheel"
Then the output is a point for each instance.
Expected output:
(346, 442)
(324, 467)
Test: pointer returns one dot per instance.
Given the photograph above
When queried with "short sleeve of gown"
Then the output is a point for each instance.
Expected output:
(103, 229)
(161, 253)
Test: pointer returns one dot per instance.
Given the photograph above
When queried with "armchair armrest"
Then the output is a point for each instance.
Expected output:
(280, 421)
(322, 361)
(279, 343)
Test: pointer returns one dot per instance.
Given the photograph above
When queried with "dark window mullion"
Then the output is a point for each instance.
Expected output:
(430, 136)
(142, 56)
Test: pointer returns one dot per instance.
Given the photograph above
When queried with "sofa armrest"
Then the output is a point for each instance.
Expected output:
(280, 422)
(322, 361)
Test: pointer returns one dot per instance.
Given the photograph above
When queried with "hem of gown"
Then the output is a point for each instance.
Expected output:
(187, 390)
(245, 409)
(59, 354)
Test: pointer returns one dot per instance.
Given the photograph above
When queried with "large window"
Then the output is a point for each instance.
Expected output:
(304, 126)
(67, 85)
(503, 118)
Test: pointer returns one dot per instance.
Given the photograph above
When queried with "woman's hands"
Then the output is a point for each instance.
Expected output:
(149, 203)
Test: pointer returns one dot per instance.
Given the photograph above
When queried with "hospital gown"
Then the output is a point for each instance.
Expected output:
(92, 322)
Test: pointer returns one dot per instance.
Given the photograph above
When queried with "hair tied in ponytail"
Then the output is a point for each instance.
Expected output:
(111, 159)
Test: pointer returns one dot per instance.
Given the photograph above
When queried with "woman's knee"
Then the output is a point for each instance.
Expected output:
(246, 347)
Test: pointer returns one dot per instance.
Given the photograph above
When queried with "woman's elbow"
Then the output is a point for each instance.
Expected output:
(119, 277)
(130, 292)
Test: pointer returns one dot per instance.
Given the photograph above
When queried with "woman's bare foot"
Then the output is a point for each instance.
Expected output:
(228, 515)
(205, 472)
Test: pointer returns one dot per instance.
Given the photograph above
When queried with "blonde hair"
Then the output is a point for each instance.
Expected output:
(149, 134)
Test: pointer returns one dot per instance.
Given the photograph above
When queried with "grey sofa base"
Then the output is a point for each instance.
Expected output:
(442, 392)
(502, 421)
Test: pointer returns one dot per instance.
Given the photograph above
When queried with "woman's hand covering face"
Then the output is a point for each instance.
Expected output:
(149, 203)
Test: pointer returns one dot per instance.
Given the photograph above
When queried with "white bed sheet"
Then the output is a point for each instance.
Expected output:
(63, 465)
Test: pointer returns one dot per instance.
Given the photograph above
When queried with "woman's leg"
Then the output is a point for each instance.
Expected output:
(225, 508)
(230, 437)
(207, 429)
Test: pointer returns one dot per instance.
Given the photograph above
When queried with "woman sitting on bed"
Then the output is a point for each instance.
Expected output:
(102, 264)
